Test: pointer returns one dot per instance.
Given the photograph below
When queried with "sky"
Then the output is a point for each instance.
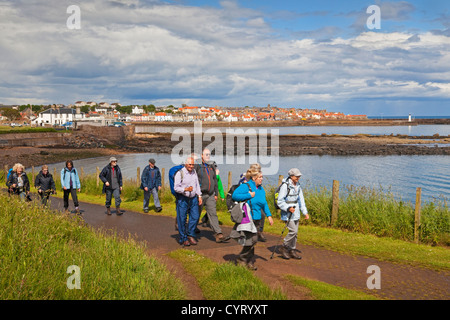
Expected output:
(322, 54)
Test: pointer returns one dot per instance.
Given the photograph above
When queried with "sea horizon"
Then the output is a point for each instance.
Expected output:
(406, 117)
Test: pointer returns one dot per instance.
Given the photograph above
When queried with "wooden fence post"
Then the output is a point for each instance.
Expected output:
(54, 174)
(138, 177)
(98, 178)
(280, 180)
(163, 172)
(32, 173)
(335, 205)
(229, 180)
(417, 215)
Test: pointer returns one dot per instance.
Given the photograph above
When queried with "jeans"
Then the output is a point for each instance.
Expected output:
(116, 194)
(73, 192)
(147, 194)
(23, 196)
(187, 206)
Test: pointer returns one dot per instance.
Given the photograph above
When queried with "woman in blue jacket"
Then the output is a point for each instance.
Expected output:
(70, 182)
(252, 192)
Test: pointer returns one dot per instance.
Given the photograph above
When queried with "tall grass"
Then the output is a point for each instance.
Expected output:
(377, 212)
(37, 245)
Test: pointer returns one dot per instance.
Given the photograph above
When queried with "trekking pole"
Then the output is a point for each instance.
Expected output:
(287, 222)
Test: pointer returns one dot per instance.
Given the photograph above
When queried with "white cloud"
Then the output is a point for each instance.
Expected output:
(133, 52)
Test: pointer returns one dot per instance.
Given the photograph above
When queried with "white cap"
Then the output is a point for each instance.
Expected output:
(294, 172)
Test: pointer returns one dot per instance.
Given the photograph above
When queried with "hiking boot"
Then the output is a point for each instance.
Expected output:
(221, 238)
(294, 255)
(118, 211)
(77, 210)
(284, 253)
(108, 211)
(159, 209)
(261, 237)
(240, 262)
(145, 210)
(251, 266)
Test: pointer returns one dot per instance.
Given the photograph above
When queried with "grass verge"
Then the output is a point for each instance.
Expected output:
(323, 291)
(37, 246)
(224, 281)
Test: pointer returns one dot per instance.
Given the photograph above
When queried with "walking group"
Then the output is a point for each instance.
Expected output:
(18, 184)
(196, 185)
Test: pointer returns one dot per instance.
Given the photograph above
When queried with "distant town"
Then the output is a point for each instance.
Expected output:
(104, 113)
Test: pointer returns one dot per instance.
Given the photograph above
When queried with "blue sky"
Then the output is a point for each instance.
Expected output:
(316, 54)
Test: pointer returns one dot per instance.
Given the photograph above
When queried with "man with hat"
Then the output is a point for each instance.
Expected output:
(111, 177)
(151, 184)
(291, 202)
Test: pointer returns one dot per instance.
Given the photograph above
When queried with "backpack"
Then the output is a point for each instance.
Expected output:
(234, 207)
(277, 192)
(9, 173)
(172, 173)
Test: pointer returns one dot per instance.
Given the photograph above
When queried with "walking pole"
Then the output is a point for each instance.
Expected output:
(275, 249)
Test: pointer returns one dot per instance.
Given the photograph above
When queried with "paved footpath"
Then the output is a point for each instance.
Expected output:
(401, 282)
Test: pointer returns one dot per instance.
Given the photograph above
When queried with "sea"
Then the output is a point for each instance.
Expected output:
(399, 175)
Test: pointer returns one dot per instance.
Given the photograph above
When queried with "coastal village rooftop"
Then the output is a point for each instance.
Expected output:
(107, 114)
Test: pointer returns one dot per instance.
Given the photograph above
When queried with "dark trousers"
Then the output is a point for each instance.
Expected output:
(44, 198)
(248, 252)
(73, 192)
(109, 194)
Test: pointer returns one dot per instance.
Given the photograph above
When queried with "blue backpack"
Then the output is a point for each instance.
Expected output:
(9, 173)
(172, 173)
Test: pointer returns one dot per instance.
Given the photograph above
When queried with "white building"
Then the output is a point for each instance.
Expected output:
(101, 109)
(80, 103)
(162, 116)
(58, 116)
(137, 110)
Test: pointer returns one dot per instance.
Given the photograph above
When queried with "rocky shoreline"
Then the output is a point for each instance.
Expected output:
(37, 156)
(294, 123)
(79, 145)
(317, 145)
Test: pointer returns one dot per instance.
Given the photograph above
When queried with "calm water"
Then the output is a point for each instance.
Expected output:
(420, 130)
(401, 174)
